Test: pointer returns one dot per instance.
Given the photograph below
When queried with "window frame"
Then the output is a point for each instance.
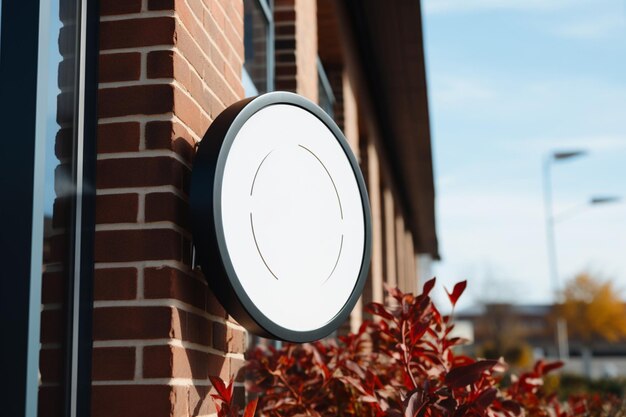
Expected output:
(22, 179)
(266, 7)
(324, 82)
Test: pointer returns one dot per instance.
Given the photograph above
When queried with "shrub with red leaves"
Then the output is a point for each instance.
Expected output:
(402, 364)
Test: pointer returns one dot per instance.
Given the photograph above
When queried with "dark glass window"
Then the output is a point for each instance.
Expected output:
(57, 94)
(326, 97)
(47, 82)
(258, 63)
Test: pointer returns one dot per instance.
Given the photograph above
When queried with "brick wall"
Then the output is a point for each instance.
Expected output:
(167, 69)
(296, 46)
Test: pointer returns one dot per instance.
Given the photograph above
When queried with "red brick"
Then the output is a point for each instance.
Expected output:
(118, 137)
(286, 69)
(52, 326)
(138, 401)
(50, 401)
(55, 248)
(287, 85)
(170, 136)
(140, 99)
(66, 36)
(115, 284)
(53, 289)
(198, 330)
(116, 208)
(160, 4)
(63, 143)
(200, 403)
(167, 207)
(236, 340)
(61, 210)
(235, 369)
(220, 341)
(115, 323)
(137, 32)
(51, 361)
(119, 67)
(139, 245)
(213, 305)
(284, 16)
(113, 7)
(176, 362)
(171, 283)
(283, 3)
(113, 363)
(190, 113)
(285, 57)
(286, 44)
(160, 64)
(142, 172)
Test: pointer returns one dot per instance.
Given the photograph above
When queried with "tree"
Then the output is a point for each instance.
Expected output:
(593, 310)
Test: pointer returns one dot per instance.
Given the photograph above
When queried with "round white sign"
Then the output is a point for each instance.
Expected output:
(279, 202)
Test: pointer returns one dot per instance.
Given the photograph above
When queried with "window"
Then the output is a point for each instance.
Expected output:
(258, 66)
(325, 91)
(47, 176)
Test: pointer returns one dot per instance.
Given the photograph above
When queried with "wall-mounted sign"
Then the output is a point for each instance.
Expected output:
(281, 218)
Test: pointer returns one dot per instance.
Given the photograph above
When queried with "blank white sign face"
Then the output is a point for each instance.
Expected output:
(292, 217)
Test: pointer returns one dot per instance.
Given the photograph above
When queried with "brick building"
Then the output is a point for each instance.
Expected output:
(106, 312)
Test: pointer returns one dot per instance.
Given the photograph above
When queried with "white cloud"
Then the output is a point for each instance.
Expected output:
(593, 143)
(592, 27)
(459, 91)
(456, 6)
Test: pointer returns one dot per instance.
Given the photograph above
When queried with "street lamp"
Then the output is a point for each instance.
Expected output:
(594, 201)
(604, 199)
(551, 219)
(557, 156)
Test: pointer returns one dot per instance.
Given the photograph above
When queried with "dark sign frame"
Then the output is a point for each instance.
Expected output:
(205, 201)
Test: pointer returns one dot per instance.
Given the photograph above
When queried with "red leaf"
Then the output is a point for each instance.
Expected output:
(355, 368)
(548, 367)
(368, 399)
(511, 406)
(486, 397)
(428, 286)
(412, 405)
(379, 310)
(456, 292)
(468, 374)
(226, 393)
(251, 408)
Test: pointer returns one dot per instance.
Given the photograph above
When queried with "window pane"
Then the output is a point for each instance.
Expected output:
(256, 33)
(326, 103)
(59, 33)
(326, 97)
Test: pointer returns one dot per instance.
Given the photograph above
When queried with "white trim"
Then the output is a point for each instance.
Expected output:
(140, 15)
(151, 48)
(136, 83)
(161, 225)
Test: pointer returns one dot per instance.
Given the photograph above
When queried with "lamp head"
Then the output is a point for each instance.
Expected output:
(604, 200)
(562, 155)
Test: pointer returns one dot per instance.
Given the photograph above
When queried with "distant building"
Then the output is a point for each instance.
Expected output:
(500, 327)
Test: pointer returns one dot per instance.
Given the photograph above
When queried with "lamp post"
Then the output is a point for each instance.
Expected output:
(551, 220)
(553, 157)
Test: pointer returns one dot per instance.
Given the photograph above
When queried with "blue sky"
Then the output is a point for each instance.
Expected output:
(510, 81)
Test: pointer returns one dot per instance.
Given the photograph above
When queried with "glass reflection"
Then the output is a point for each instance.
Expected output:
(60, 43)
(255, 37)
